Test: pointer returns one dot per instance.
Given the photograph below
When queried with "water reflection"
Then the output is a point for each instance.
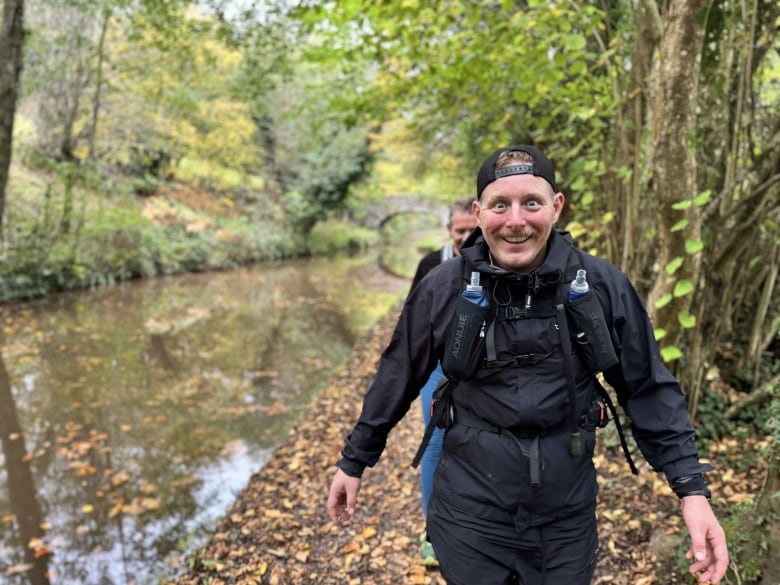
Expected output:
(22, 498)
(133, 415)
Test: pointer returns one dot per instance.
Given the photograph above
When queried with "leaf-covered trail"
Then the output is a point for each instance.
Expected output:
(278, 531)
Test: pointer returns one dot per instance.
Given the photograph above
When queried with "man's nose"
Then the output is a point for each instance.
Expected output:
(517, 213)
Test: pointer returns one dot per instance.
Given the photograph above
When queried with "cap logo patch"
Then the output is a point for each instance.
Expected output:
(514, 170)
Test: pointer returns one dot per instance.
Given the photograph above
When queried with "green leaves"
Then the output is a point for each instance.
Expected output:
(702, 198)
(682, 288)
(473, 77)
(674, 265)
(670, 353)
(576, 42)
(693, 246)
(686, 319)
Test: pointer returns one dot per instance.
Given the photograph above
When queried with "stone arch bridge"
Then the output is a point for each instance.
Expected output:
(379, 212)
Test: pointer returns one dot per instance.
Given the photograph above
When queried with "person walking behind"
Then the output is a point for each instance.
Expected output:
(514, 494)
(460, 224)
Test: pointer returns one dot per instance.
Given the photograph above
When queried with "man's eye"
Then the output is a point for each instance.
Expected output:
(532, 204)
(499, 205)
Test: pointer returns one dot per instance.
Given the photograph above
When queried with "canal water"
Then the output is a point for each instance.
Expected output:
(131, 416)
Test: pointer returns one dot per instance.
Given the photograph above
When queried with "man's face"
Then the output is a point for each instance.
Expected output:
(459, 227)
(516, 214)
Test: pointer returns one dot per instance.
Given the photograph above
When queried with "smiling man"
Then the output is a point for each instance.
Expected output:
(514, 495)
(517, 213)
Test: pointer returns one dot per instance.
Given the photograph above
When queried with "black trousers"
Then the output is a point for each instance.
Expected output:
(490, 523)
(563, 552)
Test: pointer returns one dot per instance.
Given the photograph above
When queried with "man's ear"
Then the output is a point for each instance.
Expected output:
(559, 202)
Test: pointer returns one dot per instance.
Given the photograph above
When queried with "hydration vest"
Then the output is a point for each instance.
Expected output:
(581, 326)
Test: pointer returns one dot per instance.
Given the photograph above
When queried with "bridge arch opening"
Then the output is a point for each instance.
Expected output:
(435, 217)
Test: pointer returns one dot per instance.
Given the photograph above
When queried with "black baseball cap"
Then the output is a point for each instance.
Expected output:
(541, 167)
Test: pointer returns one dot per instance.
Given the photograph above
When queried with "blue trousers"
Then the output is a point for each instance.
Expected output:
(431, 456)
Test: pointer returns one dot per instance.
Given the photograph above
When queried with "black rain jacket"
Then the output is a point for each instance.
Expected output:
(522, 396)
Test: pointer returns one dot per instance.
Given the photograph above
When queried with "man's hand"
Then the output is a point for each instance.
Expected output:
(343, 496)
(708, 550)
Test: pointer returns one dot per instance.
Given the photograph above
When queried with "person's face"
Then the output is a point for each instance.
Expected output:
(459, 227)
(516, 214)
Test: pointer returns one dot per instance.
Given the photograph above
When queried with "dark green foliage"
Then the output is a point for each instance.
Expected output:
(711, 422)
(119, 244)
(321, 182)
(334, 236)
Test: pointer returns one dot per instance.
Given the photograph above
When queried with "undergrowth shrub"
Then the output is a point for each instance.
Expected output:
(752, 529)
(332, 236)
(117, 244)
(242, 241)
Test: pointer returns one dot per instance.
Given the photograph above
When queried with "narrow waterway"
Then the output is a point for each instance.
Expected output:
(133, 415)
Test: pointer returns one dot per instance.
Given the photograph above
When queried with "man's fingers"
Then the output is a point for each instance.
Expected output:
(332, 508)
(342, 498)
(350, 507)
(712, 568)
(719, 555)
(699, 545)
(721, 563)
(336, 506)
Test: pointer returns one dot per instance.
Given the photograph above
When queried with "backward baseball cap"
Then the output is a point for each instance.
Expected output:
(541, 167)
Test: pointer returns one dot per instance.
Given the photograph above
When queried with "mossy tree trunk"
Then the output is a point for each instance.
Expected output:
(11, 36)
(754, 536)
(673, 163)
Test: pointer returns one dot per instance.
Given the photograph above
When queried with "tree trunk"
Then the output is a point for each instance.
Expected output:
(98, 83)
(11, 37)
(633, 250)
(756, 533)
(768, 507)
(673, 122)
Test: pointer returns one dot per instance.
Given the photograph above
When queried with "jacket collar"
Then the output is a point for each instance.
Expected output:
(559, 244)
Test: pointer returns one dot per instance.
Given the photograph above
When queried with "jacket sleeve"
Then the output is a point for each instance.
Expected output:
(403, 369)
(427, 263)
(647, 390)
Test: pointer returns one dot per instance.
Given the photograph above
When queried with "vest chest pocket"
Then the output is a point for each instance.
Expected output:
(527, 342)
